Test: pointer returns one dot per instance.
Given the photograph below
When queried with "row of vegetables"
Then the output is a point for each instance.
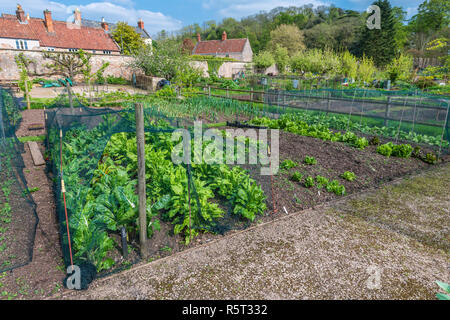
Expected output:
(291, 123)
(100, 173)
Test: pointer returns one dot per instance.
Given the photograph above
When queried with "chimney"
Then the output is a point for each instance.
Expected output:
(28, 16)
(77, 17)
(199, 37)
(20, 13)
(224, 36)
(49, 21)
(105, 25)
(141, 24)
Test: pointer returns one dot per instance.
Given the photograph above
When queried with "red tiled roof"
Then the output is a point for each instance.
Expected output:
(218, 46)
(63, 37)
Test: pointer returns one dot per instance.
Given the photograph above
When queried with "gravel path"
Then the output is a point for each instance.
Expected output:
(327, 253)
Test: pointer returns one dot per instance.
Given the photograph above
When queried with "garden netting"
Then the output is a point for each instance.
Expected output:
(402, 115)
(18, 218)
(93, 155)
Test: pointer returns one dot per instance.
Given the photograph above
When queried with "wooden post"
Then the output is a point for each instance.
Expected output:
(386, 113)
(251, 94)
(209, 91)
(140, 140)
(27, 95)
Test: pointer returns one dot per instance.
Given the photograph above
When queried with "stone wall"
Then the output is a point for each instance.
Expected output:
(226, 70)
(118, 65)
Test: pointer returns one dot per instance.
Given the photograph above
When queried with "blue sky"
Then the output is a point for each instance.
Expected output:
(171, 15)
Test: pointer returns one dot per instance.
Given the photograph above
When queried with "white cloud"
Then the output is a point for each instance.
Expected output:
(242, 8)
(112, 11)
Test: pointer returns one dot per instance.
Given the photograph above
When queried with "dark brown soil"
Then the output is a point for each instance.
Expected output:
(333, 159)
(43, 276)
(34, 116)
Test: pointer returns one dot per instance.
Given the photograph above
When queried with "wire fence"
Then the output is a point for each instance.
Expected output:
(402, 115)
(18, 217)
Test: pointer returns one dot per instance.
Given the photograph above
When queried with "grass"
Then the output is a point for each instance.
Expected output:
(32, 138)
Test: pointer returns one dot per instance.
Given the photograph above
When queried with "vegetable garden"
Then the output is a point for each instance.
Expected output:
(92, 158)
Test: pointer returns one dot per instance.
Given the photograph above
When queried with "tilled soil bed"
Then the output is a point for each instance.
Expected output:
(333, 159)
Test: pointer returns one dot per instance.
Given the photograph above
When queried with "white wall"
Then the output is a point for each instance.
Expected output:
(9, 43)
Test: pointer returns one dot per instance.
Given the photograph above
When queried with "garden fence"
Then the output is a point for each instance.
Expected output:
(94, 162)
(18, 217)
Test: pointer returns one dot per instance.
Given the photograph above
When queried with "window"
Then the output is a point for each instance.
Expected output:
(50, 49)
(21, 44)
(106, 51)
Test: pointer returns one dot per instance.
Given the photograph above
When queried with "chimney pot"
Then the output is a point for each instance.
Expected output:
(224, 36)
(48, 21)
(77, 16)
(141, 24)
(105, 25)
(20, 13)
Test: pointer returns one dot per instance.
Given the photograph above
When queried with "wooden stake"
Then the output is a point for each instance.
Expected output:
(140, 140)
(27, 96)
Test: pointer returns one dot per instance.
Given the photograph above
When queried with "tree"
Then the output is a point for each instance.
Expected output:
(281, 57)
(166, 60)
(128, 39)
(400, 68)
(286, 36)
(433, 16)
(70, 65)
(263, 60)
(379, 44)
(162, 61)
(187, 46)
(24, 82)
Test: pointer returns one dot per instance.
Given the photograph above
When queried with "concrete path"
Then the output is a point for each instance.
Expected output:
(349, 250)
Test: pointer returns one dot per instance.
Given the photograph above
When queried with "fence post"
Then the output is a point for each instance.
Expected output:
(27, 96)
(444, 129)
(386, 113)
(140, 140)
(251, 94)
(209, 91)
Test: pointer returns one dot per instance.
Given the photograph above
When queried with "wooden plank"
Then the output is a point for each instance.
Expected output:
(36, 154)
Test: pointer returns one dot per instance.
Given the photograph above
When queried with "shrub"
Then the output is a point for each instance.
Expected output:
(288, 164)
(348, 175)
(167, 91)
(310, 160)
(297, 177)
(116, 80)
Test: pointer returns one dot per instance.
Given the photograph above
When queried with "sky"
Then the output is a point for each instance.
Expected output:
(171, 15)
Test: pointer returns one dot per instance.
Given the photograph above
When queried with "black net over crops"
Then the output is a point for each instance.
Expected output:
(225, 186)
(18, 218)
(403, 115)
